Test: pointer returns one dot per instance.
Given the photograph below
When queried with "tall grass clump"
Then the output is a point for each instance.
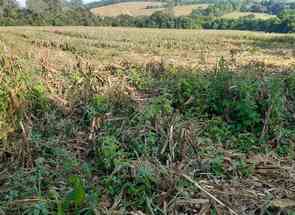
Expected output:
(14, 86)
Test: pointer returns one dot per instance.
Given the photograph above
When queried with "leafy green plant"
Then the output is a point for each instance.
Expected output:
(217, 165)
(242, 168)
(246, 142)
(189, 93)
(75, 197)
(109, 153)
(134, 189)
(39, 101)
(218, 130)
(98, 106)
(140, 79)
(158, 107)
(38, 209)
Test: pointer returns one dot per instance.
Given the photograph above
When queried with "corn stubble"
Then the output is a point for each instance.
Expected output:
(97, 122)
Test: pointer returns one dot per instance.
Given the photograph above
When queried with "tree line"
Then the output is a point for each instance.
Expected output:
(284, 23)
(73, 12)
(46, 12)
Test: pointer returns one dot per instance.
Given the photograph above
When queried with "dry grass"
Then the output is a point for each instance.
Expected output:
(236, 15)
(189, 48)
(141, 9)
(185, 10)
(127, 8)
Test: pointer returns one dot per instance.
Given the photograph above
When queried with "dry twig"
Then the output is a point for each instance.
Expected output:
(196, 184)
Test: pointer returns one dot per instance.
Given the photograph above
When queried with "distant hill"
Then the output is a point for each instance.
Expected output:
(141, 8)
(96, 4)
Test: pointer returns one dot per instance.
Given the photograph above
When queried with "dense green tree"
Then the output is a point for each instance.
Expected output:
(37, 6)
(287, 21)
(162, 20)
(76, 3)
(55, 6)
(217, 9)
(9, 7)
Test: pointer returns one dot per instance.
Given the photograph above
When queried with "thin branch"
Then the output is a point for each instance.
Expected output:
(209, 194)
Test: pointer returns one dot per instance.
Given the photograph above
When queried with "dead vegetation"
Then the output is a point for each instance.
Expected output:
(81, 137)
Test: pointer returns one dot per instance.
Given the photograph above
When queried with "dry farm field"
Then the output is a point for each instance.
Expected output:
(142, 9)
(97, 120)
(187, 48)
(235, 15)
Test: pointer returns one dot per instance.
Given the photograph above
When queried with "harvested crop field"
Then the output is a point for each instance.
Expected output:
(146, 121)
(188, 48)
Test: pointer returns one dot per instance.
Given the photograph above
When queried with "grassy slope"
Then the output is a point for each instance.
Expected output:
(139, 9)
(235, 15)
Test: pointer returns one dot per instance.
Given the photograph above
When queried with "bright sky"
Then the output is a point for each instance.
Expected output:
(22, 2)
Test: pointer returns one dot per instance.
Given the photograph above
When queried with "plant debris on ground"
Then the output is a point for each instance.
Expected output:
(145, 139)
